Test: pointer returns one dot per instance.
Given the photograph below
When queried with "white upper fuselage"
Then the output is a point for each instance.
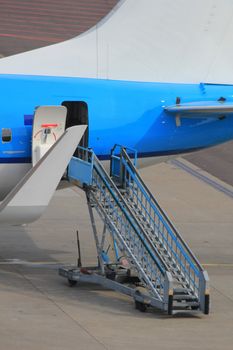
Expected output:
(181, 41)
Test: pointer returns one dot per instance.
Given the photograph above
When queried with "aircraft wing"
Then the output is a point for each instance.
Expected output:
(30, 197)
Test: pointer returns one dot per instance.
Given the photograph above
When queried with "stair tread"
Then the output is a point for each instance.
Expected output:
(184, 306)
(184, 297)
(181, 290)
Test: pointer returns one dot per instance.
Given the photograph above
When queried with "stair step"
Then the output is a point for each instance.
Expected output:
(181, 290)
(122, 190)
(185, 297)
(185, 306)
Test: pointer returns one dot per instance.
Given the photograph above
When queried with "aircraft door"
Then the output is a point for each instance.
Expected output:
(77, 114)
(48, 125)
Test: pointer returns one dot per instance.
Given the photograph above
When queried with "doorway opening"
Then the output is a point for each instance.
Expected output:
(77, 114)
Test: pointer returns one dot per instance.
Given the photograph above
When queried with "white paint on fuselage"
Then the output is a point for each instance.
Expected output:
(153, 40)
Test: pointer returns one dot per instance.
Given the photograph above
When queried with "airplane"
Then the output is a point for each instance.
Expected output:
(156, 77)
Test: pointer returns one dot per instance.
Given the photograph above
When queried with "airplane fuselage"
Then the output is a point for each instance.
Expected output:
(128, 113)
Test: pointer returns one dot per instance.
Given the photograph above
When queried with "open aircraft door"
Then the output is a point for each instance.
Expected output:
(48, 126)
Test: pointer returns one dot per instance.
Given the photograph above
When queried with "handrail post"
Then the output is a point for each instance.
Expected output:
(122, 170)
(111, 159)
(168, 292)
(204, 292)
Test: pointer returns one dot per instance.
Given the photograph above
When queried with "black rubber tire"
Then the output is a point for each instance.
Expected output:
(194, 307)
(170, 305)
(140, 306)
(207, 304)
(72, 283)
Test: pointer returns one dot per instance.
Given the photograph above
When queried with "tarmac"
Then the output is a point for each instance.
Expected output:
(30, 24)
(38, 308)
(40, 311)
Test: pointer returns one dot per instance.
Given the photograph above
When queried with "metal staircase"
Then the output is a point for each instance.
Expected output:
(169, 276)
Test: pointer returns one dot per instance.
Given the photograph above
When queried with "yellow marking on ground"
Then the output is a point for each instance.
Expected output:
(218, 265)
(23, 262)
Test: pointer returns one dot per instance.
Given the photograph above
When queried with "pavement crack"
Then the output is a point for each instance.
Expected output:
(221, 293)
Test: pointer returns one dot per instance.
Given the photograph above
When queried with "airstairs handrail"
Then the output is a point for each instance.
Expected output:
(143, 232)
(132, 151)
(162, 212)
(160, 272)
(161, 264)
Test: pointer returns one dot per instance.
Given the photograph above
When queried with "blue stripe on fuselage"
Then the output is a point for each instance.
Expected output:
(129, 113)
(15, 160)
(28, 119)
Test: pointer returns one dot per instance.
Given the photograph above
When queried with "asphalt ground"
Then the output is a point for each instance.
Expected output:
(216, 160)
(30, 24)
(40, 311)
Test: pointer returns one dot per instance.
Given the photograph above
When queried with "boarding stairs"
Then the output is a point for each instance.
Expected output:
(169, 276)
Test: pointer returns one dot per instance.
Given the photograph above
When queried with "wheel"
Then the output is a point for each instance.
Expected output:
(207, 304)
(140, 306)
(111, 275)
(72, 283)
(170, 305)
(195, 307)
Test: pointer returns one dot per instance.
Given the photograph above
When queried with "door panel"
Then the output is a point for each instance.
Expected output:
(48, 125)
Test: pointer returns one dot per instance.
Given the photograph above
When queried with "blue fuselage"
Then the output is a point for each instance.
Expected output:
(128, 113)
